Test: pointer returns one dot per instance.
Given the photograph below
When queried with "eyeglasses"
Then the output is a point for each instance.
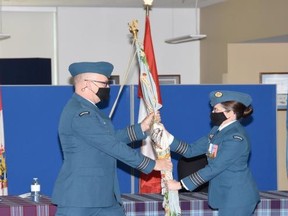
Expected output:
(102, 82)
(216, 110)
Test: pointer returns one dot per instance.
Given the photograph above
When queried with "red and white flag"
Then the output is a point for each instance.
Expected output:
(3, 168)
(150, 89)
(149, 183)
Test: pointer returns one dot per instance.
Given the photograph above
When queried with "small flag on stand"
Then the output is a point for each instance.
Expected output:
(3, 168)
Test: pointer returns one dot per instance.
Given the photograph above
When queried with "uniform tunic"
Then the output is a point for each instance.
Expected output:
(231, 184)
(91, 147)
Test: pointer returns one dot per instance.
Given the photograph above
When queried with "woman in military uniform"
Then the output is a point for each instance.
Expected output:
(232, 189)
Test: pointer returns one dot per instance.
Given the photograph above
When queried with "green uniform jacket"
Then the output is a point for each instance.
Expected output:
(230, 181)
(91, 147)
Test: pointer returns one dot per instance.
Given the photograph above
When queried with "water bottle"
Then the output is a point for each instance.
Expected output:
(35, 190)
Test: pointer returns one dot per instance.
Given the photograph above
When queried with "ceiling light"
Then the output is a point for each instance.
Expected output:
(189, 37)
(2, 36)
(186, 38)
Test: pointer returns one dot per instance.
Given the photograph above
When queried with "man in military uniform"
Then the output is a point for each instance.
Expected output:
(87, 183)
(232, 189)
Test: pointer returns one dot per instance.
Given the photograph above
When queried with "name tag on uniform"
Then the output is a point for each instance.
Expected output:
(212, 150)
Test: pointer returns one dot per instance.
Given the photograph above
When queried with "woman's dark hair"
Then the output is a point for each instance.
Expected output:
(238, 108)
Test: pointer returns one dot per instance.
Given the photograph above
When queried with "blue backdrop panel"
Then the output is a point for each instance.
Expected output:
(185, 113)
(31, 116)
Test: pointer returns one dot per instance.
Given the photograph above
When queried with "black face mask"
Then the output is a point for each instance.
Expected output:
(103, 93)
(217, 118)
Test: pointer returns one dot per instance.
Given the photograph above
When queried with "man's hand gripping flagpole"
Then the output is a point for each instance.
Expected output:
(161, 138)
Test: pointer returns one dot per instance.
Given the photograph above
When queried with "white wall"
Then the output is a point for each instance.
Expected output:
(31, 31)
(93, 34)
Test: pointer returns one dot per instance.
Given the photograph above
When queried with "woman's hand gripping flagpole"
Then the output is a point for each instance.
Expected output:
(162, 141)
(162, 137)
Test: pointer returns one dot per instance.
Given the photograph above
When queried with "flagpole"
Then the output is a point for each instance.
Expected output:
(132, 57)
(148, 5)
(147, 8)
(150, 95)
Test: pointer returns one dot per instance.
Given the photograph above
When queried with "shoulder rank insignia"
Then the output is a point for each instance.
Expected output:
(84, 113)
(239, 138)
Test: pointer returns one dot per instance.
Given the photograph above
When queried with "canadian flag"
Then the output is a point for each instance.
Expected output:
(149, 183)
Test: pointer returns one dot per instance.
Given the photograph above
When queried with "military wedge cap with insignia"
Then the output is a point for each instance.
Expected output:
(220, 96)
(104, 68)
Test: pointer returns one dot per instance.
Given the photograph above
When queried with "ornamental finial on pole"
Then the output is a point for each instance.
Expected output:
(148, 2)
(133, 28)
(148, 5)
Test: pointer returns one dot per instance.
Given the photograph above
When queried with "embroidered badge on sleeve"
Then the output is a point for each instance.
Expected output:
(238, 138)
(84, 113)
